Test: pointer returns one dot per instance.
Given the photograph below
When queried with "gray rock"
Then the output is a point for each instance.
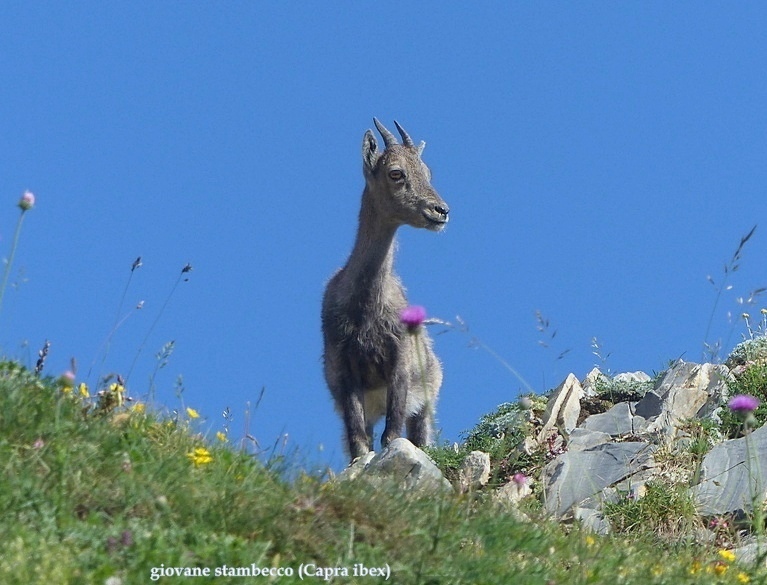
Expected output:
(592, 520)
(575, 476)
(619, 420)
(582, 439)
(589, 383)
(356, 467)
(563, 408)
(750, 553)
(511, 493)
(650, 406)
(676, 375)
(688, 391)
(733, 475)
(632, 377)
(401, 462)
(474, 472)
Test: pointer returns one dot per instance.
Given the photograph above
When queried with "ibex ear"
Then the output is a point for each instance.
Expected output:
(369, 151)
(421, 146)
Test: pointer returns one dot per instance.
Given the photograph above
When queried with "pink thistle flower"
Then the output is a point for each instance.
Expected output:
(27, 201)
(519, 478)
(413, 316)
(743, 403)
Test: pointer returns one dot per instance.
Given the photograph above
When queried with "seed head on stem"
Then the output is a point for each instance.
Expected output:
(27, 201)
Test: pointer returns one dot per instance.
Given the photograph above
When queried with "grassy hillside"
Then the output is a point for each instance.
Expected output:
(96, 491)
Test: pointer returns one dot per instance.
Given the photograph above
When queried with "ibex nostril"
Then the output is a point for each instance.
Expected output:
(441, 210)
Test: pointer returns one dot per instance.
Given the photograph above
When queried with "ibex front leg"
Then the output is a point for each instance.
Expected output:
(354, 421)
(396, 407)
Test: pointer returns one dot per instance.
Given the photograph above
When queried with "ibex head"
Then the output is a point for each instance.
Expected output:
(399, 182)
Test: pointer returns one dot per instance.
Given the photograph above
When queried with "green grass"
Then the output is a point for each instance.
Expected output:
(104, 495)
(663, 510)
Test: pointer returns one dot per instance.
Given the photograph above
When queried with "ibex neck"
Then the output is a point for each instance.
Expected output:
(372, 258)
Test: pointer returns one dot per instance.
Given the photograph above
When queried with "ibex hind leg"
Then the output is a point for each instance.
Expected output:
(419, 427)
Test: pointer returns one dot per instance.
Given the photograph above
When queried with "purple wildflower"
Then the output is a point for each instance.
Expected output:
(126, 538)
(743, 403)
(520, 479)
(413, 316)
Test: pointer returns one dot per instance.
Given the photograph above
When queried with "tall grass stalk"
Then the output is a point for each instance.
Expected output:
(186, 269)
(162, 357)
(744, 405)
(118, 322)
(729, 268)
(25, 204)
(475, 341)
(755, 483)
(413, 318)
(428, 406)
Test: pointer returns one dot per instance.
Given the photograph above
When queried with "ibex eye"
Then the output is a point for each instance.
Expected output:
(396, 175)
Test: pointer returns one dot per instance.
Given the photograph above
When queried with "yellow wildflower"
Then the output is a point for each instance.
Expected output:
(192, 413)
(82, 389)
(67, 390)
(117, 390)
(720, 568)
(139, 408)
(727, 555)
(743, 578)
(221, 437)
(590, 541)
(200, 456)
(694, 568)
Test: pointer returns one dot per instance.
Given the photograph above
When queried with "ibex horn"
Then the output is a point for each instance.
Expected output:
(388, 137)
(406, 140)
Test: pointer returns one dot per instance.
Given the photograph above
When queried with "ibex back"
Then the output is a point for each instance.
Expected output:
(372, 364)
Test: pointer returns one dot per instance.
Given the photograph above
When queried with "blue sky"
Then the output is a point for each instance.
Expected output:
(600, 161)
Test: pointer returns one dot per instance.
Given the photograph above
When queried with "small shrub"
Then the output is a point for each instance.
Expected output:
(622, 390)
(501, 435)
(751, 381)
(663, 510)
(448, 457)
(750, 350)
(703, 433)
(493, 428)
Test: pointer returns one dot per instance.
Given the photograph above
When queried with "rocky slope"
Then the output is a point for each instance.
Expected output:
(602, 440)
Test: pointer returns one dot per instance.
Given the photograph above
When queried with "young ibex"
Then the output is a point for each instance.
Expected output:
(371, 362)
